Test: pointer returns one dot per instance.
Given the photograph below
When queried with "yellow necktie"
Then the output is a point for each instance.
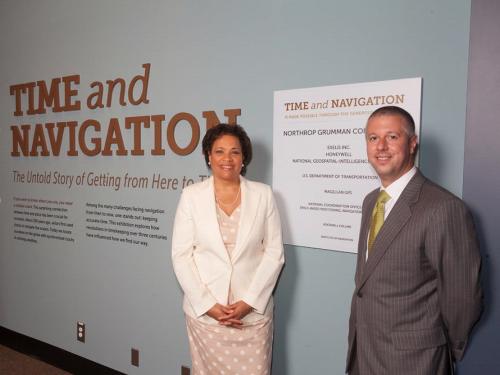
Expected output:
(377, 217)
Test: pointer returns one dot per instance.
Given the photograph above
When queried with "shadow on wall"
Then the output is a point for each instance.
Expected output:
(285, 289)
(430, 158)
(284, 303)
(283, 312)
(487, 281)
(261, 165)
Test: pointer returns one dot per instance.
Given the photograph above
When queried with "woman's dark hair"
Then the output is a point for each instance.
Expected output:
(237, 131)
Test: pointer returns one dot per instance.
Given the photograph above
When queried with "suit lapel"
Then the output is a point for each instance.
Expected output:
(363, 234)
(207, 201)
(397, 219)
(250, 204)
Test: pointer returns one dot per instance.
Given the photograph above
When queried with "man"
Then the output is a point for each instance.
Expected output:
(417, 292)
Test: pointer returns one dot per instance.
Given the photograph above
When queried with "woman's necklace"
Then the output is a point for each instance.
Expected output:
(229, 204)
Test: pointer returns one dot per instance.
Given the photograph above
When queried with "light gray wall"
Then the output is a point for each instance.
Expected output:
(216, 55)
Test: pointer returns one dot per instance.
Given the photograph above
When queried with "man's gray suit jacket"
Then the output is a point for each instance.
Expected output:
(417, 296)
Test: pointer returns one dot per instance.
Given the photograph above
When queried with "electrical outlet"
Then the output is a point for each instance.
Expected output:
(185, 370)
(80, 331)
(135, 357)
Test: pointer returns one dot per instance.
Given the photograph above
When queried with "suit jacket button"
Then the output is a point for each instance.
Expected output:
(359, 294)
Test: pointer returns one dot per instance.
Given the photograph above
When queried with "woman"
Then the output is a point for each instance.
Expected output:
(227, 254)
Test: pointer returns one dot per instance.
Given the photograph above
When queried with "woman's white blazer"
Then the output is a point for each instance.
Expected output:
(202, 264)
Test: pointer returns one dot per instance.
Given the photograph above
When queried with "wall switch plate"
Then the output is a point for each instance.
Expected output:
(80, 331)
(185, 370)
(134, 359)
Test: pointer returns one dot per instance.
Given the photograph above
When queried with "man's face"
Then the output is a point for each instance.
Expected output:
(389, 147)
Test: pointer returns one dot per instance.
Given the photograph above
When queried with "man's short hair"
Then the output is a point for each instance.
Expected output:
(396, 111)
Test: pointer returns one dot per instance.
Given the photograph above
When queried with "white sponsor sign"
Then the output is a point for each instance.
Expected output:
(320, 170)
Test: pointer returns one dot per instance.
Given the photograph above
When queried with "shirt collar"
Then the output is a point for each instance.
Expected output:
(396, 188)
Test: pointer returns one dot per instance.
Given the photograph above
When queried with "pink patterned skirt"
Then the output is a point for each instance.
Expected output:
(219, 350)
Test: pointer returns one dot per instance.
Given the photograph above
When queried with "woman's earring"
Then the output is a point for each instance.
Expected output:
(208, 163)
